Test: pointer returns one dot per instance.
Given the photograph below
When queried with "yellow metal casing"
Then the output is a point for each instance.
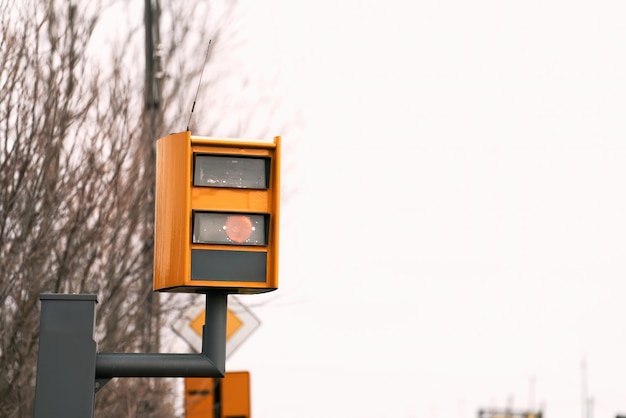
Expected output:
(183, 266)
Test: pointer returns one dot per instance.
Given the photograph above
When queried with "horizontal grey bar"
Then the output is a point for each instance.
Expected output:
(109, 365)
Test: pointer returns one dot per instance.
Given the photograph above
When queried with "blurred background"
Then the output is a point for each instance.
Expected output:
(452, 219)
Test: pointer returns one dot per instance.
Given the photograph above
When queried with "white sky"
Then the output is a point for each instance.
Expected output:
(458, 227)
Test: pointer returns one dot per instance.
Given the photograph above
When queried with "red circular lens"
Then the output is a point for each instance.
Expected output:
(238, 228)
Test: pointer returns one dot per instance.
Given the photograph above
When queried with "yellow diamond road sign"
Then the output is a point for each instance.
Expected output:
(240, 323)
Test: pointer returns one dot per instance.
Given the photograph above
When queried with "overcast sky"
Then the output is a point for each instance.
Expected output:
(456, 240)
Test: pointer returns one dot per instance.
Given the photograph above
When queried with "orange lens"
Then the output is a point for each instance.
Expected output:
(238, 228)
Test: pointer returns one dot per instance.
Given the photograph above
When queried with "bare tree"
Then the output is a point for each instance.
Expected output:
(77, 171)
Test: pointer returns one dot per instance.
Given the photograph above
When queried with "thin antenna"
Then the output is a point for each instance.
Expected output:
(199, 81)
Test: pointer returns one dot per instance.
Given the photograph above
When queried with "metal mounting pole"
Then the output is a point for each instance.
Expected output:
(210, 363)
(69, 370)
(66, 361)
(214, 329)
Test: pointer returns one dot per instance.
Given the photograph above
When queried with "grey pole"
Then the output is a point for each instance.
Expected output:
(210, 363)
(69, 370)
(214, 329)
(66, 361)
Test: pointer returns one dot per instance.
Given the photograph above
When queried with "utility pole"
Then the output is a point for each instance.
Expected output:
(153, 75)
(152, 124)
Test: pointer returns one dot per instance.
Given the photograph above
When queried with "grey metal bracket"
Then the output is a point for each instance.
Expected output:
(211, 362)
(70, 371)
